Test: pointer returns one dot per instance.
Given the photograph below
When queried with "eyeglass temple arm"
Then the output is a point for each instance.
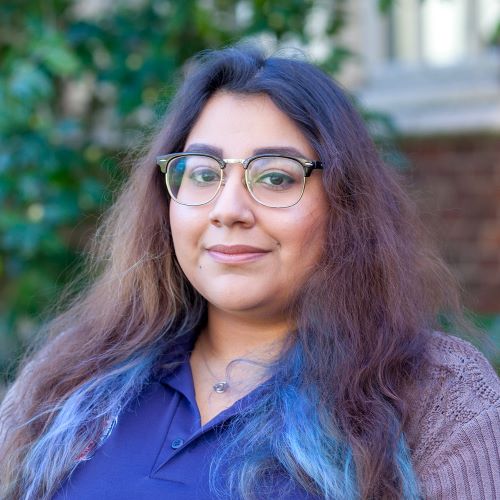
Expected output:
(162, 163)
(309, 166)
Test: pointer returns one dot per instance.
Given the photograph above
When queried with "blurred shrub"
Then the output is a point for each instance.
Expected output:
(490, 345)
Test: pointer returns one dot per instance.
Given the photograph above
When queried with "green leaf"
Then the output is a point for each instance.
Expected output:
(29, 83)
(53, 51)
(385, 5)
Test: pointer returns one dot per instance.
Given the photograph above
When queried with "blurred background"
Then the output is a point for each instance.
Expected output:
(83, 81)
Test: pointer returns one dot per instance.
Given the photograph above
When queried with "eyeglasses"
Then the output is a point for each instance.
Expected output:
(273, 180)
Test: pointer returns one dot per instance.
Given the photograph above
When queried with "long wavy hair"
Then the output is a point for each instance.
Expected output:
(335, 415)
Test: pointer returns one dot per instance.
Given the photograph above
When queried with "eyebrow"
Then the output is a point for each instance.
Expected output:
(215, 151)
(203, 148)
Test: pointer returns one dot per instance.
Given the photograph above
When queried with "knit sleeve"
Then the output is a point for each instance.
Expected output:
(468, 468)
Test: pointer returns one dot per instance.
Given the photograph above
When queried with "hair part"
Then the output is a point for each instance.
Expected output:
(362, 318)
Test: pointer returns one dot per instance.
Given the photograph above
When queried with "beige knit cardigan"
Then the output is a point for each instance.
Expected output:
(454, 434)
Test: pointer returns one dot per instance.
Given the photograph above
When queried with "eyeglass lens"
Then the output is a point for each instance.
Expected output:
(272, 181)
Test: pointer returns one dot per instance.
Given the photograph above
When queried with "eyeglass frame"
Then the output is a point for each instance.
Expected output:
(162, 161)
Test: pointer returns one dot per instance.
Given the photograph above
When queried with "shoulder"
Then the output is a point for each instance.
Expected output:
(455, 429)
(462, 376)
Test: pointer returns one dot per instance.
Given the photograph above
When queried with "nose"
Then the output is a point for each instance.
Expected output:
(233, 204)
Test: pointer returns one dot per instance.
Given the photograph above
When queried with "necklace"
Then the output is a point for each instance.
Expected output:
(222, 385)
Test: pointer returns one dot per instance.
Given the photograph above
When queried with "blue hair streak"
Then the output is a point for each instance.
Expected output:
(81, 424)
(288, 439)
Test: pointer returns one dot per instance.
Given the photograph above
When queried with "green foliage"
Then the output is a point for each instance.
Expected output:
(490, 343)
(482, 330)
(385, 5)
(495, 37)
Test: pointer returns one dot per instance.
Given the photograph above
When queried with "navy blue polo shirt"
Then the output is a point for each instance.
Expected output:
(158, 449)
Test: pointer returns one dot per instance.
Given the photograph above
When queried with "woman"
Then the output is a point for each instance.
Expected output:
(262, 324)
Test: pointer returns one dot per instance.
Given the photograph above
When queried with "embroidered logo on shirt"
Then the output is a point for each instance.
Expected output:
(89, 450)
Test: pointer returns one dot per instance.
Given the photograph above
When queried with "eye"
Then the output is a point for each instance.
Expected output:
(275, 173)
(204, 175)
(275, 180)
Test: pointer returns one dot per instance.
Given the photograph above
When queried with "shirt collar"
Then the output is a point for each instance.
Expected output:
(180, 379)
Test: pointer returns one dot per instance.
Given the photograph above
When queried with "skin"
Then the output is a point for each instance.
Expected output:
(246, 299)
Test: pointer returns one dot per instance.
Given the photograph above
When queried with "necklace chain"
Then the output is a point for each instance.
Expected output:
(222, 385)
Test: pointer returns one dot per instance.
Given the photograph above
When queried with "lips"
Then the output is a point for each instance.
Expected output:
(236, 254)
(234, 249)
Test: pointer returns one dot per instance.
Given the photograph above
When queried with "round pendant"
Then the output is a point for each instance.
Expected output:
(220, 387)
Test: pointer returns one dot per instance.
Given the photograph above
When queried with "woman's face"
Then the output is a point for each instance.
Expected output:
(282, 244)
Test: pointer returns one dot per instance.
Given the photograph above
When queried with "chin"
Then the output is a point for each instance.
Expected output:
(238, 301)
(241, 305)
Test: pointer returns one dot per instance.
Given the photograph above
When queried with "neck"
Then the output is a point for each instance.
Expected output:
(227, 336)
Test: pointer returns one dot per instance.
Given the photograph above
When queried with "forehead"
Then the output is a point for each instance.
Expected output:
(239, 125)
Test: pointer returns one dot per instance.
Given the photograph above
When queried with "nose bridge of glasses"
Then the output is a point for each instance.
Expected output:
(234, 161)
(230, 161)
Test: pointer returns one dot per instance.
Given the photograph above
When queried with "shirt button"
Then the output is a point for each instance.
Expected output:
(177, 443)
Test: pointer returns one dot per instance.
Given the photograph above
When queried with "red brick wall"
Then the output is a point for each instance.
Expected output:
(457, 185)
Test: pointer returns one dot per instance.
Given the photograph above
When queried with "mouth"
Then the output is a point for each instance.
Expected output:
(236, 254)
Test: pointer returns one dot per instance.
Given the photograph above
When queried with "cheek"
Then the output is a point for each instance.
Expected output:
(311, 236)
(186, 229)
(304, 239)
